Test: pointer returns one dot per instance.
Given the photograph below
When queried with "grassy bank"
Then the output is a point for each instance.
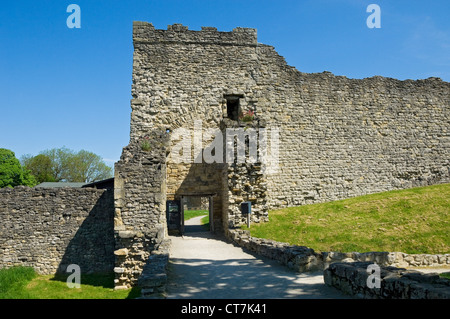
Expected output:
(413, 221)
(24, 283)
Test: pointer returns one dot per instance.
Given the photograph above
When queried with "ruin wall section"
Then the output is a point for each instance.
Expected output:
(51, 228)
(140, 225)
(342, 137)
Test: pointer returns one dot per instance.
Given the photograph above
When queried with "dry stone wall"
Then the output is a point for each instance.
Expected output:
(49, 229)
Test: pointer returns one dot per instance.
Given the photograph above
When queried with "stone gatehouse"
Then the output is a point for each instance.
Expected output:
(307, 137)
(220, 116)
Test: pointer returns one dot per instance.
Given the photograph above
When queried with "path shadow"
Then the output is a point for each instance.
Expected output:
(194, 228)
(242, 279)
(249, 277)
(189, 229)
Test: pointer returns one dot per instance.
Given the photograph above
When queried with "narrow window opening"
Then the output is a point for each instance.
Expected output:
(233, 107)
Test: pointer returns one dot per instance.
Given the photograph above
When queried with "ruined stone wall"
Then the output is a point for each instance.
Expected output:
(339, 137)
(344, 137)
(49, 229)
(180, 76)
(302, 258)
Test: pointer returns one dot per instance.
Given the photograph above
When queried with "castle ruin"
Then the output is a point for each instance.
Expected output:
(218, 115)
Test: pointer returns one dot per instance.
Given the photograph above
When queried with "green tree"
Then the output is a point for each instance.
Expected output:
(61, 161)
(11, 171)
(41, 167)
(63, 164)
(87, 167)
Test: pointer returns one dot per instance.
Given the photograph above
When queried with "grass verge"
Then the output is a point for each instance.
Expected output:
(24, 283)
(412, 221)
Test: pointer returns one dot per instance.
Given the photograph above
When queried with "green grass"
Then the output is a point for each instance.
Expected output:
(412, 221)
(205, 222)
(24, 283)
(188, 214)
(13, 282)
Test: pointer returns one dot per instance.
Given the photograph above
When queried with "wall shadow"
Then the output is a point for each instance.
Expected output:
(92, 246)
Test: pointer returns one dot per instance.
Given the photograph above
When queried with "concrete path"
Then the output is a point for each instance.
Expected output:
(204, 266)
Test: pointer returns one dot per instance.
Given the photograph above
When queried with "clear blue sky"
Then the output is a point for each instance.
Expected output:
(72, 87)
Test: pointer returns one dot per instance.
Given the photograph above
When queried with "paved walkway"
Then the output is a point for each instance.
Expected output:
(204, 266)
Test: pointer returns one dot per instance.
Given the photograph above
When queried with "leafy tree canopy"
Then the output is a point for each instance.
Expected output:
(11, 171)
(62, 164)
(41, 167)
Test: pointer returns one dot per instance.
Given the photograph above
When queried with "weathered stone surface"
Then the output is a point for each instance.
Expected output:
(49, 229)
(119, 270)
(153, 278)
(126, 234)
(395, 283)
(121, 252)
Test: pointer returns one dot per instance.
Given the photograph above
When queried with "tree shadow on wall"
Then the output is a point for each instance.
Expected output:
(92, 246)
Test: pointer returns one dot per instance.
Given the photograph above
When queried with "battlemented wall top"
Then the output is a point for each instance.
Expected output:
(145, 32)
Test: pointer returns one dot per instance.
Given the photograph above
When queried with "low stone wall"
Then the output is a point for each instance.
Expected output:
(394, 283)
(301, 258)
(49, 229)
(153, 279)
